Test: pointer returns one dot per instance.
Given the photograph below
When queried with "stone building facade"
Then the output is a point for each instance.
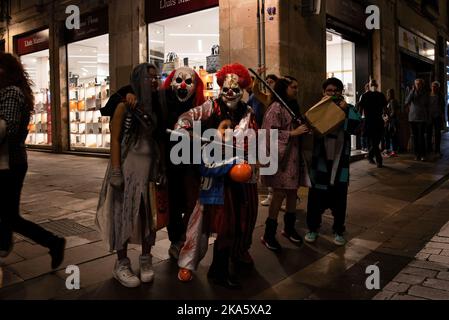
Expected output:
(296, 42)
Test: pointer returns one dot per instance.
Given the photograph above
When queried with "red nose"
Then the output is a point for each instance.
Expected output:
(183, 85)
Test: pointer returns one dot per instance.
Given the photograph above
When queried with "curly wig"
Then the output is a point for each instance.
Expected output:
(238, 69)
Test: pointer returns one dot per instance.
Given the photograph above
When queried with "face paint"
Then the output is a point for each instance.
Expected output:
(231, 92)
(184, 84)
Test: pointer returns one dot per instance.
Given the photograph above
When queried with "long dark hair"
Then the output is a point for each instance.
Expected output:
(14, 75)
(281, 89)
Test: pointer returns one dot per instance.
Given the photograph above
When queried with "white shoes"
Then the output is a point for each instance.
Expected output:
(125, 275)
(146, 269)
(267, 201)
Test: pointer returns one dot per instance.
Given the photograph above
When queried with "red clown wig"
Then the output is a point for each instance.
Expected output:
(199, 85)
(238, 69)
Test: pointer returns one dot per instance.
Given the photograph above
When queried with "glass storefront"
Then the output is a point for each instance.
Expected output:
(189, 40)
(88, 68)
(341, 65)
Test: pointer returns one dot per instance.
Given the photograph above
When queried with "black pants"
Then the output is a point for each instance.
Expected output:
(183, 192)
(11, 183)
(419, 138)
(434, 127)
(335, 199)
(374, 148)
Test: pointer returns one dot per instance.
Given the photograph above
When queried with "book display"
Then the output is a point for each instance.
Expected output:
(40, 122)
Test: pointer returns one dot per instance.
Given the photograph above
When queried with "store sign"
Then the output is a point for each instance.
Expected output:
(157, 10)
(92, 24)
(416, 44)
(347, 11)
(32, 43)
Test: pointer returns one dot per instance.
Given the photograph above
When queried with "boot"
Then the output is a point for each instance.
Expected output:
(219, 269)
(289, 228)
(57, 250)
(269, 239)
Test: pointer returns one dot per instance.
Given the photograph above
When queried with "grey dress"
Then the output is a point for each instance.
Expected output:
(126, 216)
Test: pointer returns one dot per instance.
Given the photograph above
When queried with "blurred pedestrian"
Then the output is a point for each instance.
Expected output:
(436, 116)
(373, 105)
(391, 118)
(418, 102)
(16, 106)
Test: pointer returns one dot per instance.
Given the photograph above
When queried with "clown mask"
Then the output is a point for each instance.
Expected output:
(183, 84)
(231, 92)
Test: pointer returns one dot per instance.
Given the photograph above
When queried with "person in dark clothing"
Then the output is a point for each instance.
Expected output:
(436, 115)
(181, 91)
(373, 105)
(16, 105)
(391, 124)
(418, 102)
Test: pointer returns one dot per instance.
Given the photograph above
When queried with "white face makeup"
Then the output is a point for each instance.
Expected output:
(231, 92)
(184, 84)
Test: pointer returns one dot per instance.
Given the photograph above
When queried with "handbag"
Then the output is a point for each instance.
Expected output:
(325, 116)
(213, 61)
(4, 146)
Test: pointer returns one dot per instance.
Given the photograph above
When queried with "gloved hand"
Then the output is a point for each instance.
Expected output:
(116, 180)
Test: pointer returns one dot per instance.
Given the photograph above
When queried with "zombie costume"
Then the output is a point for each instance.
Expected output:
(234, 217)
(125, 215)
(182, 90)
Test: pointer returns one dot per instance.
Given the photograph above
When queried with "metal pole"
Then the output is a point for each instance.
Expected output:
(259, 35)
(274, 94)
(264, 63)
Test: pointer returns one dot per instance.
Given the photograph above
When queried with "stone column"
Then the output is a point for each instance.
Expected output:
(127, 39)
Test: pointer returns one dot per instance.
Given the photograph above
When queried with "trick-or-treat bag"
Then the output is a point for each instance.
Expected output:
(213, 61)
(325, 116)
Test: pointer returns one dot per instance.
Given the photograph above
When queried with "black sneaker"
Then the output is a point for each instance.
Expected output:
(293, 237)
(272, 244)
(57, 252)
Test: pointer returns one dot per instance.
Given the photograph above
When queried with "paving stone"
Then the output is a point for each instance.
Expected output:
(443, 276)
(409, 279)
(444, 253)
(11, 259)
(384, 295)
(397, 287)
(437, 245)
(440, 259)
(431, 251)
(428, 293)
(420, 272)
(437, 284)
(405, 297)
(422, 256)
(428, 265)
(8, 278)
(29, 251)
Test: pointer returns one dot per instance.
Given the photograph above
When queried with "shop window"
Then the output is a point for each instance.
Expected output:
(341, 65)
(89, 91)
(37, 66)
(190, 40)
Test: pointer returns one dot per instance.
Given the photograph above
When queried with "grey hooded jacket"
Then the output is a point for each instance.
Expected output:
(419, 106)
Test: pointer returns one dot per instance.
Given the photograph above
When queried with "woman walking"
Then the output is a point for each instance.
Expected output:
(16, 105)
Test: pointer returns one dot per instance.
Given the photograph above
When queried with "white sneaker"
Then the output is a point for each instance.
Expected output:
(267, 201)
(175, 249)
(146, 269)
(125, 275)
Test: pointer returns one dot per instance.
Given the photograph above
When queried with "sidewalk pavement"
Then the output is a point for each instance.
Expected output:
(392, 215)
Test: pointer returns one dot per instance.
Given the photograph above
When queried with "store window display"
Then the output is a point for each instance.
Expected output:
(37, 66)
(190, 40)
(89, 91)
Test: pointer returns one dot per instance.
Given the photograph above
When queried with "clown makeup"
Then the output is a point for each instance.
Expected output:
(184, 84)
(232, 93)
